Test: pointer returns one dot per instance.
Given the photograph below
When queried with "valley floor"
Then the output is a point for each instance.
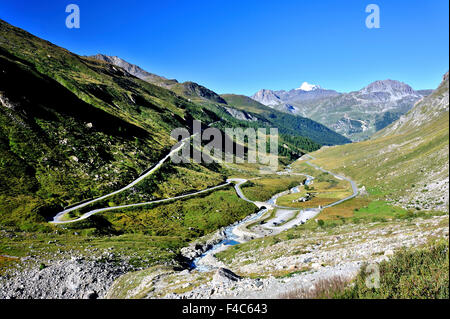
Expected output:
(283, 249)
(271, 268)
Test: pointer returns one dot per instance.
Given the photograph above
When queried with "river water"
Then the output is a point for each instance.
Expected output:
(231, 239)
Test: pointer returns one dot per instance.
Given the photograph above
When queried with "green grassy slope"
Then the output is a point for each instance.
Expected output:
(411, 274)
(73, 128)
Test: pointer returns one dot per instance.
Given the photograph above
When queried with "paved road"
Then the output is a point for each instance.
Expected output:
(57, 218)
(304, 214)
(96, 211)
(354, 187)
(238, 182)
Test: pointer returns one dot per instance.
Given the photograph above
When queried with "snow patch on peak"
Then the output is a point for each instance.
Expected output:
(308, 87)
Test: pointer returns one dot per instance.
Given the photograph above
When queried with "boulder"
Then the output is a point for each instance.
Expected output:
(91, 295)
(224, 275)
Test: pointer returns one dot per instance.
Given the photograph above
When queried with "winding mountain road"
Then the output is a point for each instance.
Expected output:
(58, 218)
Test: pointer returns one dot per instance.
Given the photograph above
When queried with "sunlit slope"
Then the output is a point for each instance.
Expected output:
(73, 128)
(407, 161)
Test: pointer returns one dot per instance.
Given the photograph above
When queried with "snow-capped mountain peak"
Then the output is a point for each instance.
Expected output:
(308, 87)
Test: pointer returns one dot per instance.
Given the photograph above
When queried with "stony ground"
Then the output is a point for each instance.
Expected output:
(261, 269)
(67, 277)
(273, 270)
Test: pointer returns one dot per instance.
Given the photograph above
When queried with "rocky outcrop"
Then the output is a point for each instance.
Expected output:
(274, 98)
(224, 275)
(135, 70)
(267, 97)
(198, 247)
(240, 115)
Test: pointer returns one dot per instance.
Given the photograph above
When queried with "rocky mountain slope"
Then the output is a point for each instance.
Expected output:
(190, 90)
(356, 115)
(135, 70)
(306, 92)
(427, 110)
(406, 162)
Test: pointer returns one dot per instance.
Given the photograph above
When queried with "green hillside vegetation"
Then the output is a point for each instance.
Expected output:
(410, 274)
(413, 273)
(262, 189)
(153, 234)
(245, 103)
(325, 190)
(73, 128)
(188, 218)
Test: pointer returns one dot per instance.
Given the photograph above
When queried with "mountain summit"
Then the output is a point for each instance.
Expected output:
(279, 99)
(396, 89)
(308, 87)
(136, 70)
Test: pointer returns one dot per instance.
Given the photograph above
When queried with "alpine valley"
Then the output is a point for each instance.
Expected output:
(91, 206)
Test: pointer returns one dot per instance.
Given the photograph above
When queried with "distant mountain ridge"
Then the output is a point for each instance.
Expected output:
(407, 161)
(356, 115)
(395, 88)
(288, 124)
(306, 92)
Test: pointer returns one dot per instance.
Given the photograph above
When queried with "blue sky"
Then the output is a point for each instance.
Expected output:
(242, 46)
